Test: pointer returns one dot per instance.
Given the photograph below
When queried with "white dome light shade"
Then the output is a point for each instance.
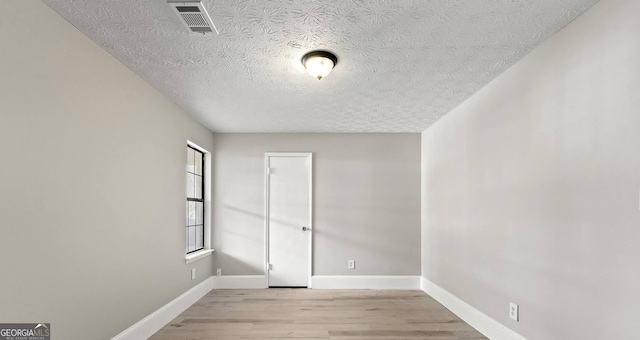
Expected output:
(319, 63)
(318, 67)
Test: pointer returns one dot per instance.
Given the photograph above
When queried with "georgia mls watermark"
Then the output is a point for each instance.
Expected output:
(25, 331)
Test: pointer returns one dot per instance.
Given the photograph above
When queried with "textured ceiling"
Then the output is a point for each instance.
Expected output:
(401, 64)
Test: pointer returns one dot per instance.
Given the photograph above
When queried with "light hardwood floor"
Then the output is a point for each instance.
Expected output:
(317, 314)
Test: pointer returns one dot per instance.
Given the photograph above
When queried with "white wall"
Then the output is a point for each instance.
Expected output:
(366, 201)
(530, 187)
(92, 182)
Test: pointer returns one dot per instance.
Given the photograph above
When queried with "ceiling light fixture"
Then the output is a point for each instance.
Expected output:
(319, 63)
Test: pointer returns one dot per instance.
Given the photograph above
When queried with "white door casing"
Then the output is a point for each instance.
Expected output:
(288, 219)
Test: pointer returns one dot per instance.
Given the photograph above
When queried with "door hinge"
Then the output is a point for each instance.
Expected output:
(269, 170)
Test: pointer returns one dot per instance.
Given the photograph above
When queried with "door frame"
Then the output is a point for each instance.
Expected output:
(309, 157)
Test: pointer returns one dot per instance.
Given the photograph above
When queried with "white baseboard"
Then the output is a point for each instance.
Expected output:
(489, 327)
(240, 282)
(365, 282)
(148, 326)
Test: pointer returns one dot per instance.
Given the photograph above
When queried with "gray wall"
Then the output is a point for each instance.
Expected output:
(366, 201)
(530, 188)
(92, 182)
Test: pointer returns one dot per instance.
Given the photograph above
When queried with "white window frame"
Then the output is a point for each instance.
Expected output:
(207, 250)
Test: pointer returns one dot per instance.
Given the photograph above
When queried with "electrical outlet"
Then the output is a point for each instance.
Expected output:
(351, 264)
(193, 273)
(514, 311)
(219, 272)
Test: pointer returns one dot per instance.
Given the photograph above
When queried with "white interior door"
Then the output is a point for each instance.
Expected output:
(288, 219)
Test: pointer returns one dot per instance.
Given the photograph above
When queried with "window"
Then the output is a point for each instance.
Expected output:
(195, 200)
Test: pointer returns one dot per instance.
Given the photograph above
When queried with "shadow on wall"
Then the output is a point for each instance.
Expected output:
(225, 260)
(244, 242)
(239, 242)
(260, 215)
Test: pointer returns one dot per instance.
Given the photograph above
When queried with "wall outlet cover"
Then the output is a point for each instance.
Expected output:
(193, 273)
(351, 264)
(219, 272)
(514, 311)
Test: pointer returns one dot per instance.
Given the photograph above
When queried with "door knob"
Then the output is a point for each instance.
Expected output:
(305, 229)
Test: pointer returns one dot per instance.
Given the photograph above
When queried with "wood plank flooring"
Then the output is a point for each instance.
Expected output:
(317, 314)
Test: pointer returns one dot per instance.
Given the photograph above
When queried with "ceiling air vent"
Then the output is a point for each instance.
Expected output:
(193, 16)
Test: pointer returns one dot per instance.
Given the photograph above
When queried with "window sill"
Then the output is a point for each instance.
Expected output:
(197, 255)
